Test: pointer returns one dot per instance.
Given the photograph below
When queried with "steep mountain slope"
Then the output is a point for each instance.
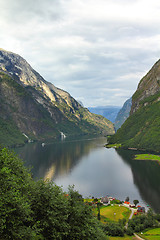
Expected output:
(148, 86)
(142, 128)
(32, 108)
(123, 114)
(109, 112)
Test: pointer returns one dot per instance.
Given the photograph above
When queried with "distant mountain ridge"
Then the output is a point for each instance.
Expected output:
(31, 107)
(142, 129)
(123, 114)
(115, 114)
(109, 112)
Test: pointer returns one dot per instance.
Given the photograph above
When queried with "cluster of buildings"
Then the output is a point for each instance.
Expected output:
(138, 209)
(106, 200)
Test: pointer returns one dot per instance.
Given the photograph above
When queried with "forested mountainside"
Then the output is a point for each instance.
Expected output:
(142, 129)
(32, 108)
(123, 114)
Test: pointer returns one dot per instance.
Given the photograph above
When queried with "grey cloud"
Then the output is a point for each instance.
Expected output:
(97, 59)
(20, 11)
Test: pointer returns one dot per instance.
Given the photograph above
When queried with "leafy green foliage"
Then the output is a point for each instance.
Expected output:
(49, 210)
(114, 229)
(41, 210)
(141, 222)
(15, 208)
(115, 201)
(135, 202)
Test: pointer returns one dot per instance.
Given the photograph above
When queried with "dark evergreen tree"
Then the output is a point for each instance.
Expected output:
(135, 202)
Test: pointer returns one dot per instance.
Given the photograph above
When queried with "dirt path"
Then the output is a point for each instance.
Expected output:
(130, 217)
(137, 237)
(131, 213)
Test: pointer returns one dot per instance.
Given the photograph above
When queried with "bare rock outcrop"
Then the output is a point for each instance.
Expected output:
(148, 86)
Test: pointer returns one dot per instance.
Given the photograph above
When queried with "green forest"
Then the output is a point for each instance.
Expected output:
(142, 129)
(41, 210)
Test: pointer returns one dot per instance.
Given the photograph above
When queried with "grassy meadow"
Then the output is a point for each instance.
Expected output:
(147, 157)
(152, 234)
(122, 238)
(113, 213)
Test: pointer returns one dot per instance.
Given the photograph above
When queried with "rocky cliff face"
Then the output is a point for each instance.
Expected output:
(36, 109)
(22, 72)
(148, 86)
(142, 128)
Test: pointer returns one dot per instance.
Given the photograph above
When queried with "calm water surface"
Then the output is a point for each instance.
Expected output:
(95, 170)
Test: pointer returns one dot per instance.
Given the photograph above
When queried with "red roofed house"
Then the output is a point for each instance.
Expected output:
(141, 209)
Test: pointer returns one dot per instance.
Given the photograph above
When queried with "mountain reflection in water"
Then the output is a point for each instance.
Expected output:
(146, 176)
(57, 158)
(95, 170)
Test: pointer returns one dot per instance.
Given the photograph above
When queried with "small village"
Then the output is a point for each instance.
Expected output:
(125, 220)
(111, 201)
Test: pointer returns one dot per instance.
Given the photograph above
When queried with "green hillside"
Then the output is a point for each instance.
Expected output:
(142, 129)
(22, 117)
(32, 108)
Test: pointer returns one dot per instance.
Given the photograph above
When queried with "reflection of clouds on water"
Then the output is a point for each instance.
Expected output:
(101, 173)
(63, 155)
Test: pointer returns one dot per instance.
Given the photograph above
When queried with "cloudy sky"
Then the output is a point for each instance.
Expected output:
(96, 50)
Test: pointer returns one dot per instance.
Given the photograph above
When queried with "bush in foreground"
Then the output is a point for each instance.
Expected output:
(114, 229)
(40, 210)
(143, 221)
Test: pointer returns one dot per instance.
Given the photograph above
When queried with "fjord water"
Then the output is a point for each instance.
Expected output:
(95, 170)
